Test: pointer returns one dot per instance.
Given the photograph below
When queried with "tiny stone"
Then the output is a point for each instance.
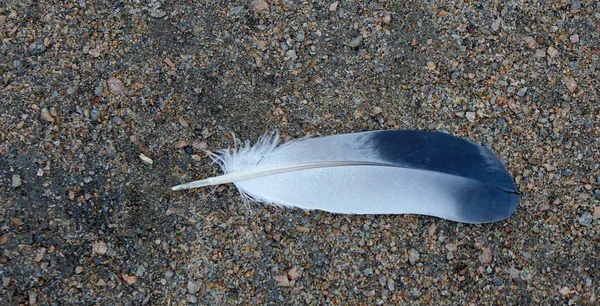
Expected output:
(117, 120)
(88, 179)
(181, 144)
(139, 272)
(522, 91)
(574, 38)
(552, 51)
(486, 256)
(46, 116)
(35, 48)
(451, 247)
(200, 145)
(193, 287)
(540, 53)
(391, 284)
(531, 44)
(496, 24)
(470, 116)
(192, 298)
(293, 273)
(115, 86)
(413, 256)
(282, 281)
(78, 269)
(377, 110)
(387, 18)
(455, 75)
(99, 248)
(356, 42)
(94, 52)
(259, 5)
(98, 90)
(290, 55)
(94, 114)
(16, 181)
(40, 255)
(597, 212)
(431, 66)
(333, 6)
(129, 279)
(300, 36)
(570, 83)
(32, 297)
(585, 219)
(369, 293)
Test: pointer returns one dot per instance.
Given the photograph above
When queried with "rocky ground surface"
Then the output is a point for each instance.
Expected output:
(88, 86)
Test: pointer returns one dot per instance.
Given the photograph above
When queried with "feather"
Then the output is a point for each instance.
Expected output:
(379, 172)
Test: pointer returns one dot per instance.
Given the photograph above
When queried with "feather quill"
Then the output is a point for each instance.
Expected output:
(379, 172)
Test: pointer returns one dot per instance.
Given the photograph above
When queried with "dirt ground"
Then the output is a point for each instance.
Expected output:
(88, 86)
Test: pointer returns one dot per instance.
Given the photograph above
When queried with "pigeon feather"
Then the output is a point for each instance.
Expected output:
(379, 172)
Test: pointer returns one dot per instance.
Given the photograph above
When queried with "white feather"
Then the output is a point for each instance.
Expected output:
(353, 173)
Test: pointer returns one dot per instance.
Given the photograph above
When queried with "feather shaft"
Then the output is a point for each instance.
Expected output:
(267, 171)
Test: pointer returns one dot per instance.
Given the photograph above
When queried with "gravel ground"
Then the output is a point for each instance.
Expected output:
(88, 86)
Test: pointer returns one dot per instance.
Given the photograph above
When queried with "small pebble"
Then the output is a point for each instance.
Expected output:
(451, 247)
(293, 273)
(486, 256)
(115, 86)
(259, 5)
(290, 55)
(46, 116)
(522, 91)
(431, 66)
(94, 114)
(496, 24)
(470, 116)
(283, 281)
(387, 18)
(40, 255)
(16, 181)
(193, 287)
(586, 219)
(145, 159)
(597, 212)
(413, 256)
(334, 6)
(574, 38)
(357, 41)
(300, 36)
(36, 49)
(129, 279)
(552, 52)
(199, 145)
(99, 248)
(570, 83)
